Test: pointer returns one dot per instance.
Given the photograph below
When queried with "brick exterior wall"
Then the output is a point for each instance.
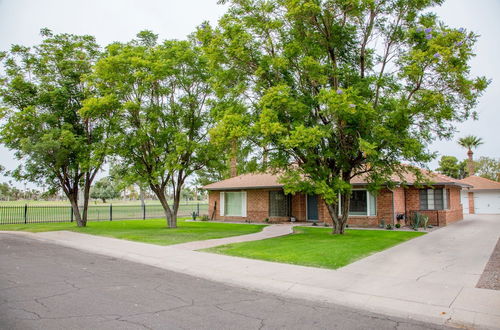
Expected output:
(470, 197)
(389, 203)
(437, 217)
(257, 207)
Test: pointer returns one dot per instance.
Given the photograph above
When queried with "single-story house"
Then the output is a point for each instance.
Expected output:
(260, 197)
(482, 197)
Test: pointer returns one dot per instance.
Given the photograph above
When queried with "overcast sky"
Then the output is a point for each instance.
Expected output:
(120, 20)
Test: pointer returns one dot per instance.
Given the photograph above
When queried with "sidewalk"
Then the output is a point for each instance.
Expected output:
(431, 278)
(268, 232)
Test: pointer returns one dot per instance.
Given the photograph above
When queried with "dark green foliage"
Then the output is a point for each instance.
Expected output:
(105, 189)
(45, 120)
(450, 166)
(335, 89)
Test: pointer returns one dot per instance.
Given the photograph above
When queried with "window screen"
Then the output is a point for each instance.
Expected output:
(279, 204)
(233, 203)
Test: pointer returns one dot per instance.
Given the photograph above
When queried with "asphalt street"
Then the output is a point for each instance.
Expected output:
(45, 286)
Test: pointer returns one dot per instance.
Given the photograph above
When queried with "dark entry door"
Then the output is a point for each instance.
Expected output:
(312, 208)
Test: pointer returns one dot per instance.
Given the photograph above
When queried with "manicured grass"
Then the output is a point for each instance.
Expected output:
(317, 247)
(148, 231)
(59, 213)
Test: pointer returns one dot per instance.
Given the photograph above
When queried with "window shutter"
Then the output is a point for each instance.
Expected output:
(243, 203)
(221, 203)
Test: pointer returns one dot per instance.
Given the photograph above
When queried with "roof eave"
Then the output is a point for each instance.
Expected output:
(242, 188)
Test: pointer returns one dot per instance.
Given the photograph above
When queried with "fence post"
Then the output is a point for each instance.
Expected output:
(25, 213)
(71, 213)
(143, 211)
(110, 212)
(198, 209)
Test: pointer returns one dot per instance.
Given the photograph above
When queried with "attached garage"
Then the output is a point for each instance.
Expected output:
(482, 198)
(487, 202)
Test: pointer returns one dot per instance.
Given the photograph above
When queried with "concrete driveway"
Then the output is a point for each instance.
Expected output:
(431, 278)
(451, 256)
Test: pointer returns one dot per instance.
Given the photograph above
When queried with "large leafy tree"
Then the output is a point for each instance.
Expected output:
(105, 189)
(488, 167)
(451, 166)
(163, 92)
(43, 91)
(341, 88)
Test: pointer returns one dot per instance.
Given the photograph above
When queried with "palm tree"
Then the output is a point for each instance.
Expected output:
(469, 142)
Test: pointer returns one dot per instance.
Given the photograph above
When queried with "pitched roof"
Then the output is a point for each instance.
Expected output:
(267, 180)
(479, 183)
(247, 181)
(410, 178)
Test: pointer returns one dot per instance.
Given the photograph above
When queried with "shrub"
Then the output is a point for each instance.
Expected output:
(389, 226)
(204, 217)
(397, 225)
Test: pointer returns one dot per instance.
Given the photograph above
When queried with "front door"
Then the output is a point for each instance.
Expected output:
(312, 208)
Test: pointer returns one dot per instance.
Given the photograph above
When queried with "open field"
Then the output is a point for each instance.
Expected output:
(148, 231)
(63, 213)
(317, 247)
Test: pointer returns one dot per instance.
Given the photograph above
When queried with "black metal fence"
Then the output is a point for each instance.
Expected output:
(42, 214)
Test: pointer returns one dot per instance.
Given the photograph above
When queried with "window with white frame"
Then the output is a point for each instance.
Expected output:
(362, 203)
(433, 199)
(233, 203)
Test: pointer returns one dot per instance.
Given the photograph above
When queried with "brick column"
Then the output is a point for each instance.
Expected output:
(470, 196)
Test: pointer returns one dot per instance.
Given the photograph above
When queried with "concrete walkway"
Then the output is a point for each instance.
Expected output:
(431, 278)
(268, 232)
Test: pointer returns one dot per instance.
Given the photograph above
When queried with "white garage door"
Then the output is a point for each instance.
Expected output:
(464, 199)
(487, 202)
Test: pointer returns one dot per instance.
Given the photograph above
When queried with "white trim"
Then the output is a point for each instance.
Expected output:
(445, 198)
(368, 205)
(244, 204)
(221, 202)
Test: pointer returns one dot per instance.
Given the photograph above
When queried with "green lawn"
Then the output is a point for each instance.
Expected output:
(317, 247)
(148, 231)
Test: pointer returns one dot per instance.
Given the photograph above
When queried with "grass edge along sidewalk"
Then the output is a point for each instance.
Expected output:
(147, 231)
(316, 247)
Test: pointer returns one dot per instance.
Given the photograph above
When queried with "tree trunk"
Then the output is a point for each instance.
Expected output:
(470, 162)
(76, 210)
(171, 219)
(86, 197)
(339, 221)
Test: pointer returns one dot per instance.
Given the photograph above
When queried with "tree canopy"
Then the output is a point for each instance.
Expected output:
(163, 92)
(451, 166)
(45, 120)
(488, 167)
(105, 189)
(335, 89)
